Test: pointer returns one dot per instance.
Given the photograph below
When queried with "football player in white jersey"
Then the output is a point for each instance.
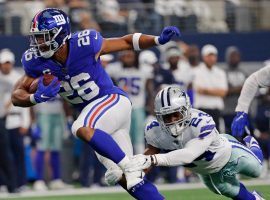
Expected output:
(260, 78)
(193, 141)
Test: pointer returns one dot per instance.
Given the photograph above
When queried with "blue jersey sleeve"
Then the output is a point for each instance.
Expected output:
(96, 40)
(85, 44)
(30, 64)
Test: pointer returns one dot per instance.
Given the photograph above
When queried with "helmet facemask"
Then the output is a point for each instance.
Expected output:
(43, 42)
(175, 121)
(172, 108)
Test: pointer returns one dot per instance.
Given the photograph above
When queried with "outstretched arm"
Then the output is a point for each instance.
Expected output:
(258, 79)
(193, 149)
(187, 155)
(137, 41)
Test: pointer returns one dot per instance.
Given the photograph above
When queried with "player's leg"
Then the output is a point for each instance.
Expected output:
(98, 139)
(242, 161)
(221, 185)
(227, 185)
(57, 125)
(43, 144)
(137, 129)
(114, 116)
(137, 186)
(254, 146)
(249, 159)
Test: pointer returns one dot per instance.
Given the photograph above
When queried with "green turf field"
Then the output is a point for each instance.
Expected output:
(192, 194)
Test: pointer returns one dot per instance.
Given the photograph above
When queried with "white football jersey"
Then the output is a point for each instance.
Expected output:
(183, 75)
(131, 80)
(201, 126)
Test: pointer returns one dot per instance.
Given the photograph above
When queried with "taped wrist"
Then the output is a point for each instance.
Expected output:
(153, 160)
(135, 41)
(32, 99)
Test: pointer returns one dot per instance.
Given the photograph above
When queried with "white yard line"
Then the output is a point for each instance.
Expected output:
(102, 190)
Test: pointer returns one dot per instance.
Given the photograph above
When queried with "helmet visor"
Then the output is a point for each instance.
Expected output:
(43, 41)
(174, 122)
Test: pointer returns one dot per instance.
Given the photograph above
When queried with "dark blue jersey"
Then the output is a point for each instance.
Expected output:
(82, 77)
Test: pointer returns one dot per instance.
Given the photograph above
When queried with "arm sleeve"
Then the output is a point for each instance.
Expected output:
(28, 65)
(95, 41)
(193, 149)
(258, 79)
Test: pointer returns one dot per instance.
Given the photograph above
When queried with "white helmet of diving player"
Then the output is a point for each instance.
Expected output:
(172, 108)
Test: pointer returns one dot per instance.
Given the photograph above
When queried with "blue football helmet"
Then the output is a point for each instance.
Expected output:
(50, 29)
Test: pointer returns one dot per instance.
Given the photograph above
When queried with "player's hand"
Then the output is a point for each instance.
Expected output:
(167, 34)
(35, 132)
(140, 162)
(112, 176)
(239, 124)
(45, 93)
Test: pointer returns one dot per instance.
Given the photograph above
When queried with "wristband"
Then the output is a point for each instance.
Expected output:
(156, 40)
(153, 160)
(135, 41)
(32, 99)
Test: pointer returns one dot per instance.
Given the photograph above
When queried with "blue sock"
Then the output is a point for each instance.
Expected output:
(145, 190)
(258, 152)
(244, 194)
(55, 164)
(40, 165)
(104, 144)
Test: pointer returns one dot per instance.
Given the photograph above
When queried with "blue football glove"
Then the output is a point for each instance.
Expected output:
(167, 34)
(36, 131)
(45, 93)
(240, 124)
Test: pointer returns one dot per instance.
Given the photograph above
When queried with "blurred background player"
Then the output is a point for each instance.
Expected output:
(50, 119)
(14, 125)
(210, 84)
(236, 78)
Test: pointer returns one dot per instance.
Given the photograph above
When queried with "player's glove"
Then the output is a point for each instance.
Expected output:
(140, 162)
(45, 93)
(240, 124)
(112, 176)
(36, 131)
(167, 34)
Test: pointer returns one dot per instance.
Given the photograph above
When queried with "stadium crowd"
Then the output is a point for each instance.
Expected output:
(36, 145)
(122, 16)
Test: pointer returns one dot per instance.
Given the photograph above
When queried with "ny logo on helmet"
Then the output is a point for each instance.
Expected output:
(60, 19)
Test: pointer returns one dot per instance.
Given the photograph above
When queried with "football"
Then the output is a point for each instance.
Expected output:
(47, 79)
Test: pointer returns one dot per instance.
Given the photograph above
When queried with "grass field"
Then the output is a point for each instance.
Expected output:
(190, 194)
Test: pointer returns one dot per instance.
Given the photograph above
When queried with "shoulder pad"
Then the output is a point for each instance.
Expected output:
(201, 123)
(30, 63)
(152, 131)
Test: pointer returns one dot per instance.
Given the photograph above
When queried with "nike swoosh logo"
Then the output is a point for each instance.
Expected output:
(43, 96)
(145, 161)
(96, 36)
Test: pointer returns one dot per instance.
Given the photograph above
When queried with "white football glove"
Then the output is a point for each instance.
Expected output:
(140, 162)
(112, 176)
